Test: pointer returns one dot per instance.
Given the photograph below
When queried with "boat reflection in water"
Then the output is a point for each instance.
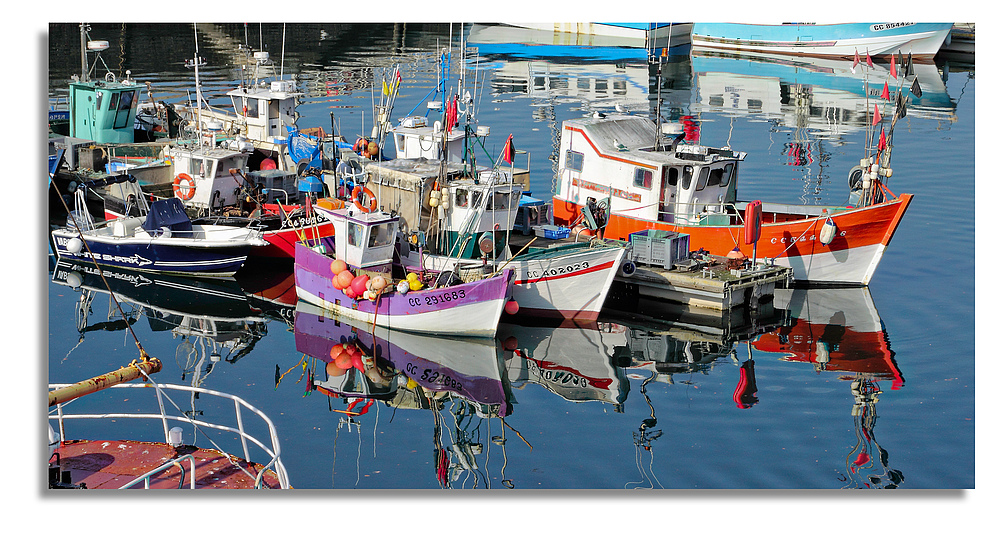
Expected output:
(461, 381)
(840, 331)
(577, 361)
(212, 317)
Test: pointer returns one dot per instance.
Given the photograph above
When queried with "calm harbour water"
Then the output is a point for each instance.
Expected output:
(623, 404)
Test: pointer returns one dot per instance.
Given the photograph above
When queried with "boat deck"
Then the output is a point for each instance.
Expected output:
(89, 463)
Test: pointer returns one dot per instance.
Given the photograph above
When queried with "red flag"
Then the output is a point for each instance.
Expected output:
(857, 60)
(868, 59)
(885, 90)
(892, 66)
(508, 150)
(881, 140)
(878, 117)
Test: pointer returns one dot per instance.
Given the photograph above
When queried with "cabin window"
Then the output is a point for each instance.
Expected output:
(100, 97)
(250, 108)
(702, 179)
(715, 177)
(112, 103)
(462, 198)
(380, 236)
(354, 234)
(501, 201)
(686, 179)
(728, 172)
(125, 103)
(574, 161)
(643, 178)
(672, 175)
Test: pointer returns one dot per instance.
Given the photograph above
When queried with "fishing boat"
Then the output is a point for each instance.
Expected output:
(169, 463)
(336, 272)
(458, 215)
(164, 240)
(809, 39)
(647, 181)
(616, 33)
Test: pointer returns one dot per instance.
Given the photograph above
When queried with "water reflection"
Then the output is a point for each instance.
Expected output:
(839, 331)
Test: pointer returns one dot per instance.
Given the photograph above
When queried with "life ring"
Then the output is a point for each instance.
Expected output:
(184, 187)
(372, 201)
(360, 145)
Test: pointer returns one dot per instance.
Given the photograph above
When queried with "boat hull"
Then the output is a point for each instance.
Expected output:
(281, 242)
(790, 239)
(470, 309)
(569, 282)
(841, 40)
(210, 258)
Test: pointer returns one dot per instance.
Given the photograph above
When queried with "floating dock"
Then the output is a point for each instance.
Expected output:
(699, 280)
(710, 284)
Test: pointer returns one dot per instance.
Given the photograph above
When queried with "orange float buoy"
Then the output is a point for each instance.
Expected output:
(268, 165)
(511, 307)
(751, 223)
(343, 361)
(337, 266)
(360, 284)
(332, 370)
(336, 350)
(344, 279)
(184, 186)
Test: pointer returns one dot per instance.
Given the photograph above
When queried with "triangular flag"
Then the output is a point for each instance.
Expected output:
(892, 66)
(900, 108)
(878, 117)
(881, 140)
(885, 90)
(385, 88)
(908, 68)
(508, 150)
(857, 60)
(915, 88)
(868, 60)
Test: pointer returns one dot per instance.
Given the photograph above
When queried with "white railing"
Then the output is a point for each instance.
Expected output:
(273, 451)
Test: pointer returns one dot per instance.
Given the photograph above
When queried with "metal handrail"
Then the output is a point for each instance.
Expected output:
(176, 461)
(274, 451)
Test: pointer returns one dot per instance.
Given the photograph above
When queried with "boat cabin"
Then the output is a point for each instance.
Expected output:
(208, 168)
(103, 111)
(486, 210)
(414, 138)
(619, 156)
(265, 111)
(364, 239)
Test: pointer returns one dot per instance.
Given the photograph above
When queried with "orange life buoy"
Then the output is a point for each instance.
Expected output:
(360, 145)
(372, 201)
(184, 186)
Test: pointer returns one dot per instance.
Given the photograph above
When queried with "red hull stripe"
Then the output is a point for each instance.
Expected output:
(597, 268)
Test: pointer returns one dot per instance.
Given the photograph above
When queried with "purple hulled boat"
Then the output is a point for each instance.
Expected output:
(436, 302)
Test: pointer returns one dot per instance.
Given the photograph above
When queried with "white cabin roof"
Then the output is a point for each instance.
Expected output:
(630, 136)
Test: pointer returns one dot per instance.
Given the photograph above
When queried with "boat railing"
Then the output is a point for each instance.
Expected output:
(272, 450)
(695, 213)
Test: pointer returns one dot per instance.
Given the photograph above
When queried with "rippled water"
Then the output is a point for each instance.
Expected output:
(629, 403)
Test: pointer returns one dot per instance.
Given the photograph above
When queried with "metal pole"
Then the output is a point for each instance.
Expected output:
(94, 384)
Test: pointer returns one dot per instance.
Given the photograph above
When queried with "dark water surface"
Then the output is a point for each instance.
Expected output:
(856, 388)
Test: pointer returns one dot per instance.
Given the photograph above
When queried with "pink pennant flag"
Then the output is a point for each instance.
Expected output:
(878, 117)
(885, 91)
(868, 60)
(857, 60)
(881, 140)
(892, 66)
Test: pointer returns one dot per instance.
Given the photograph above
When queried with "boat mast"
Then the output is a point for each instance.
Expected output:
(85, 70)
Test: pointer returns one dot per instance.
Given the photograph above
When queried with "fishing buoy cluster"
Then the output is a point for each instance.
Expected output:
(360, 286)
(366, 148)
(439, 197)
(344, 356)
